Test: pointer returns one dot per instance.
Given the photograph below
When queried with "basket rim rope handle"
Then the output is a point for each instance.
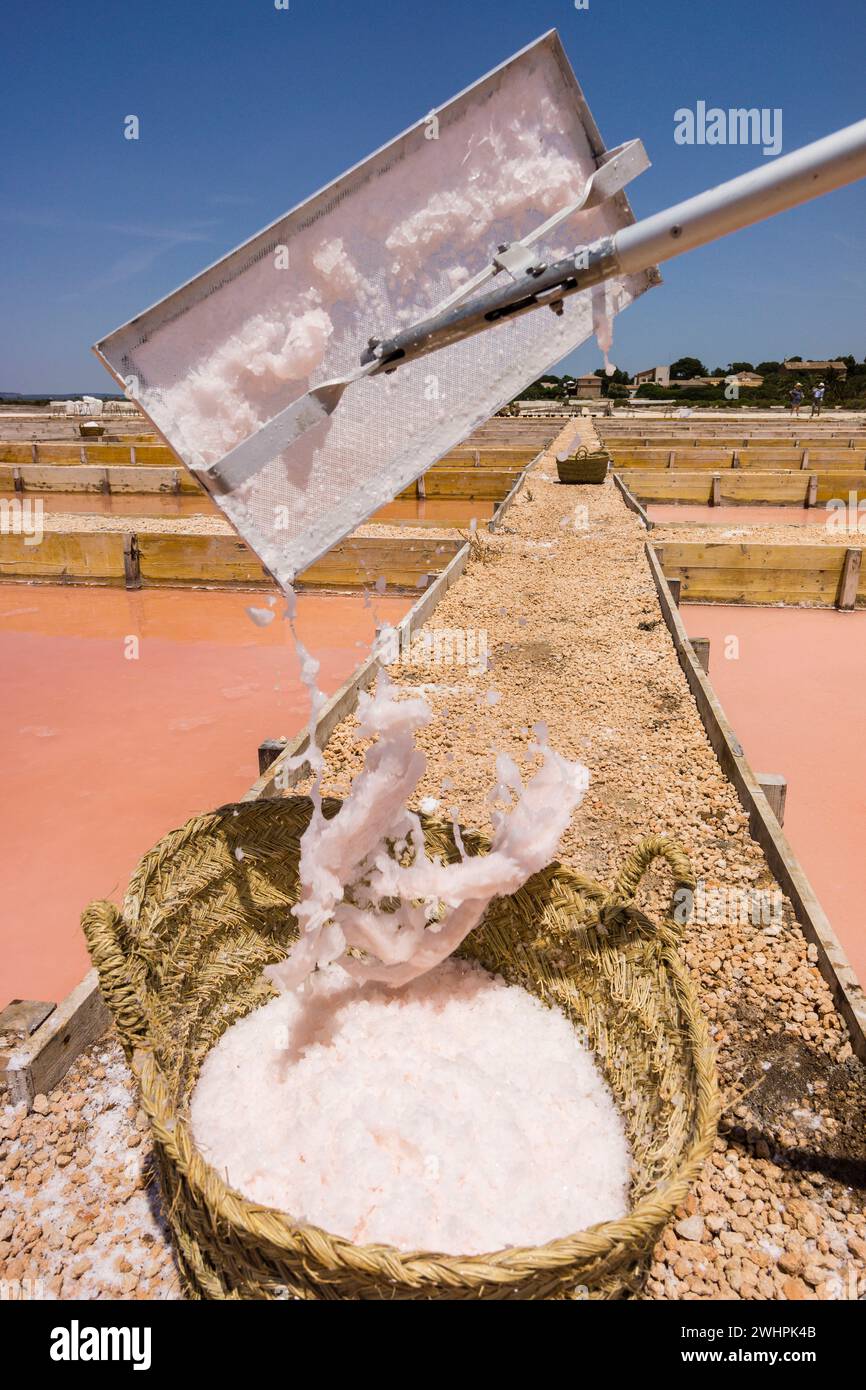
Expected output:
(633, 870)
(102, 924)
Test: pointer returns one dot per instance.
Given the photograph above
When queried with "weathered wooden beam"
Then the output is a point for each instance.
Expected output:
(723, 572)
(849, 581)
(20, 1019)
(631, 501)
(775, 789)
(131, 561)
(170, 557)
(104, 478)
(269, 750)
(701, 649)
(42, 1060)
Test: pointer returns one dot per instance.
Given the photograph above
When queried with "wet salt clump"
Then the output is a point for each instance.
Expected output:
(456, 1114)
(367, 882)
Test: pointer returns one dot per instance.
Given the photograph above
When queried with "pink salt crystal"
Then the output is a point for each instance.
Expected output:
(347, 867)
(456, 1114)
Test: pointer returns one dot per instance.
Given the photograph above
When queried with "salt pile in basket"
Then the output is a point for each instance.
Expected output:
(449, 1111)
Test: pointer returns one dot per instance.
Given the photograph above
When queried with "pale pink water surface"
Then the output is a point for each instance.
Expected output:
(739, 516)
(795, 693)
(103, 754)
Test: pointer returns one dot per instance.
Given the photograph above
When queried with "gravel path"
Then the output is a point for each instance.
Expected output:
(575, 638)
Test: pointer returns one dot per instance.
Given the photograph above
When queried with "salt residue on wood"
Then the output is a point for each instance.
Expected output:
(366, 880)
(458, 1114)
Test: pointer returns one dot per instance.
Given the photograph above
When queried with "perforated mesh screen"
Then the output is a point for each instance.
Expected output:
(375, 252)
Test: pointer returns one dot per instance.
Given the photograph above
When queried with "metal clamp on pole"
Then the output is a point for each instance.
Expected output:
(620, 166)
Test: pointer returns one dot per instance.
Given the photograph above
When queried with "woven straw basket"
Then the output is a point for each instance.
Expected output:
(184, 960)
(583, 466)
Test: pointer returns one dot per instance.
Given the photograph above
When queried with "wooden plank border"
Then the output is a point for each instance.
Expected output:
(213, 560)
(833, 964)
(632, 503)
(37, 1065)
(508, 501)
(104, 478)
(753, 573)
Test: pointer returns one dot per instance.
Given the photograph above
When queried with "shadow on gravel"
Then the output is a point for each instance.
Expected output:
(802, 1109)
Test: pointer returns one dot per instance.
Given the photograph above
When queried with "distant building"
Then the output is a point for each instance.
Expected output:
(801, 368)
(660, 376)
(584, 388)
(749, 379)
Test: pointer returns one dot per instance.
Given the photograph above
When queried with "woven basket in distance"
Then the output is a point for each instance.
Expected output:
(583, 466)
(184, 960)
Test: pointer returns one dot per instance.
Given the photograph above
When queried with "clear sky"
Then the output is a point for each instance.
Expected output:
(245, 110)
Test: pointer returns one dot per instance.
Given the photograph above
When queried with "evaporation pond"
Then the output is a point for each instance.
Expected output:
(105, 754)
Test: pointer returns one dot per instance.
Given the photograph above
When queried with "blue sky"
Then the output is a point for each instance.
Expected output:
(245, 110)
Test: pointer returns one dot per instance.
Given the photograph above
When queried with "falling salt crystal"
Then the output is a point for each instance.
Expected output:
(261, 616)
(239, 854)
(381, 584)
(493, 697)
(429, 805)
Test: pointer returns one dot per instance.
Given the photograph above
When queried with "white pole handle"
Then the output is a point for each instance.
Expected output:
(792, 179)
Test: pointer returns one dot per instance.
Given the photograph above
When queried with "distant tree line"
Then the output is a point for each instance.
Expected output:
(774, 390)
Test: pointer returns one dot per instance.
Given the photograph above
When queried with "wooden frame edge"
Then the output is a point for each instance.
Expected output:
(833, 964)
